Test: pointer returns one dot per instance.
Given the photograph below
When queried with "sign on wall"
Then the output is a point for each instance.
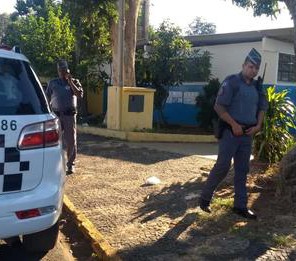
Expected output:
(175, 97)
(182, 97)
(189, 97)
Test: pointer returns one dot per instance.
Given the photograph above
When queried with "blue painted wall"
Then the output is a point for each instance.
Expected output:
(291, 89)
(177, 111)
(180, 108)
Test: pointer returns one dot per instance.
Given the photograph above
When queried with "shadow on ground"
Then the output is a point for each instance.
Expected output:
(221, 235)
(17, 253)
(93, 145)
(170, 201)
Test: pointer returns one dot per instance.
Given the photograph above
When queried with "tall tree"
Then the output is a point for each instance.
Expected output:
(166, 62)
(269, 8)
(43, 40)
(199, 26)
(38, 7)
(130, 37)
(91, 21)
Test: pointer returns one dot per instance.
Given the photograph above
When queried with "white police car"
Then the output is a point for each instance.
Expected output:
(32, 173)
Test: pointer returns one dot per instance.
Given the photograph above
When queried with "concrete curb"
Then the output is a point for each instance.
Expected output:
(100, 246)
(145, 136)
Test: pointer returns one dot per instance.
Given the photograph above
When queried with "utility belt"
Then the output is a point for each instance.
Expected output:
(222, 125)
(69, 112)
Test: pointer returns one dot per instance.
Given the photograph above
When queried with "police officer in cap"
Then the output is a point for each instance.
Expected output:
(241, 105)
(62, 94)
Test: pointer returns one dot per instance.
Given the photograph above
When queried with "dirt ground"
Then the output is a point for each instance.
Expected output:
(163, 222)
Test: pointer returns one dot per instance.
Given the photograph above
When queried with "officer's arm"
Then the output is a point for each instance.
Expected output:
(75, 86)
(225, 116)
(260, 119)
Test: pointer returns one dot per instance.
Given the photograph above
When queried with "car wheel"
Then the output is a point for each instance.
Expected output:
(41, 241)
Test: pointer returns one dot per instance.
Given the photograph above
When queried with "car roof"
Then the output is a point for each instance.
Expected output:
(10, 54)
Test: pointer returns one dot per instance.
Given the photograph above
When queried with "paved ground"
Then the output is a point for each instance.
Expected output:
(162, 222)
(60, 252)
(204, 150)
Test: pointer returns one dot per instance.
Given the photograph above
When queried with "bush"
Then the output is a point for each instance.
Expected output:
(275, 138)
(205, 102)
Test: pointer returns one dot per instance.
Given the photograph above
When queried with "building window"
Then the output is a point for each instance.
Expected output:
(286, 71)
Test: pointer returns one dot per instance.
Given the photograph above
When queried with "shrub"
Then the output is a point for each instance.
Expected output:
(275, 138)
(205, 102)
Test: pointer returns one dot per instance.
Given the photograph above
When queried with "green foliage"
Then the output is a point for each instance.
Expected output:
(274, 140)
(91, 21)
(39, 7)
(260, 7)
(78, 31)
(205, 102)
(197, 66)
(42, 40)
(166, 61)
(163, 64)
(199, 27)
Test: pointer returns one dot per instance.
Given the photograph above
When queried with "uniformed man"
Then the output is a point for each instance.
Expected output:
(240, 104)
(62, 94)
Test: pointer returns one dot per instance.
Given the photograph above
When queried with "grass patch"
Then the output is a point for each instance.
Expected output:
(283, 240)
(251, 233)
(225, 203)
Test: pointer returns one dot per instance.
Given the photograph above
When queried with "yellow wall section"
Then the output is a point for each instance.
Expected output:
(137, 120)
(113, 110)
(120, 117)
(95, 102)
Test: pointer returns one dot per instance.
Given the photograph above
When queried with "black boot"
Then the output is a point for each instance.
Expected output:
(244, 212)
(204, 205)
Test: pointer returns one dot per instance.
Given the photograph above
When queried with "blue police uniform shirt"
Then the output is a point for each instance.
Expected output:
(61, 96)
(241, 100)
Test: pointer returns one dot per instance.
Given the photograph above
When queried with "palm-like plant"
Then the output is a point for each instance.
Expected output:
(275, 138)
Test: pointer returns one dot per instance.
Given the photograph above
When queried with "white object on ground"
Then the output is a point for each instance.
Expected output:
(152, 180)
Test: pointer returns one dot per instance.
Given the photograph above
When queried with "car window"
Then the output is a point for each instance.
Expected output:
(20, 91)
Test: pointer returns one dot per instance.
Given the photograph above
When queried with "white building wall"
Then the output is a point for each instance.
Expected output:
(271, 49)
(228, 58)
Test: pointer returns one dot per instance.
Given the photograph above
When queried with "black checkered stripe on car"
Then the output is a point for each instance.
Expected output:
(11, 180)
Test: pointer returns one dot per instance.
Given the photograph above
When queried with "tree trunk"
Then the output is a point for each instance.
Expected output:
(115, 53)
(130, 40)
(131, 17)
(286, 189)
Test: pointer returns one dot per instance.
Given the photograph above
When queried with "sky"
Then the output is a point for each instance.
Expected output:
(226, 16)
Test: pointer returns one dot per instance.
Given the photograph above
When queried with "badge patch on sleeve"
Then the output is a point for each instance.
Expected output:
(221, 89)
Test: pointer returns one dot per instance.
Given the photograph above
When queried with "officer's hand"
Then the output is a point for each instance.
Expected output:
(237, 130)
(252, 130)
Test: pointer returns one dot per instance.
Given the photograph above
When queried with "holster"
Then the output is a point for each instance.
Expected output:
(220, 127)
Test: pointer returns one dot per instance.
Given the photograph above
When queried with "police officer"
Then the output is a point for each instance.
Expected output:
(62, 94)
(241, 105)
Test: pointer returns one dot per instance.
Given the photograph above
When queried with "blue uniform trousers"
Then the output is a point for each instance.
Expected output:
(68, 123)
(238, 148)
